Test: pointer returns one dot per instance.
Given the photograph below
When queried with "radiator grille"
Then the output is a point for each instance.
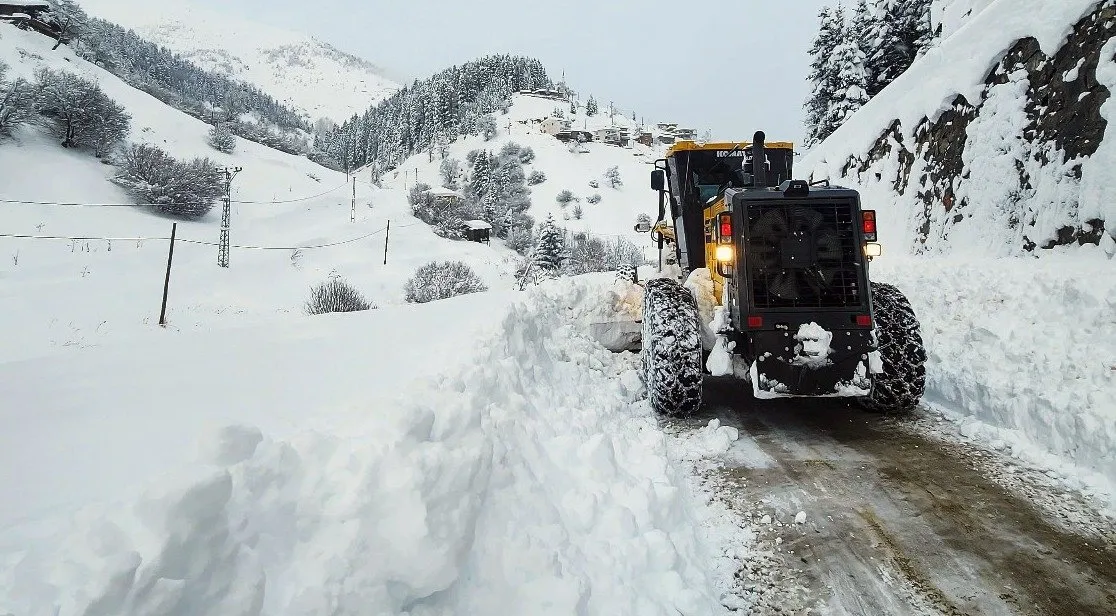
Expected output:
(802, 254)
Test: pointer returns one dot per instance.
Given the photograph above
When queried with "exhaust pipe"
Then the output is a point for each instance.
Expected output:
(759, 160)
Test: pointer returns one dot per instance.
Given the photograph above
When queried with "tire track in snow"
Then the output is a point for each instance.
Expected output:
(898, 522)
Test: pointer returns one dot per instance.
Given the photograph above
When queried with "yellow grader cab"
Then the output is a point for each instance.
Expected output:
(784, 266)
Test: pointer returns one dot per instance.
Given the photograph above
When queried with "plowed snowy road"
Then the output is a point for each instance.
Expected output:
(897, 522)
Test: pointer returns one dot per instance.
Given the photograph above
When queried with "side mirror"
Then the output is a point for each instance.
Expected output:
(658, 180)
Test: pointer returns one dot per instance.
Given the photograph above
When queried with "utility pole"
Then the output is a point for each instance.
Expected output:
(166, 281)
(387, 234)
(226, 215)
(352, 212)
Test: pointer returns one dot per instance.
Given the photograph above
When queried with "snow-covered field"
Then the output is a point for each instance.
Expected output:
(293, 68)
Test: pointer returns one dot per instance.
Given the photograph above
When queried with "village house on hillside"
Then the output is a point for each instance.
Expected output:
(30, 15)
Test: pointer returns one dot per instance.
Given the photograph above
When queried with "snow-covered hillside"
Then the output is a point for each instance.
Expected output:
(567, 167)
(294, 68)
(995, 141)
(282, 201)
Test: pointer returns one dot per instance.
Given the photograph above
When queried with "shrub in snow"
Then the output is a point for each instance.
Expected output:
(441, 280)
(594, 199)
(536, 178)
(520, 240)
(593, 254)
(578, 212)
(594, 184)
(222, 139)
(643, 218)
(511, 148)
(565, 197)
(153, 177)
(450, 170)
(79, 112)
(17, 104)
(612, 176)
(486, 127)
(526, 155)
(336, 295)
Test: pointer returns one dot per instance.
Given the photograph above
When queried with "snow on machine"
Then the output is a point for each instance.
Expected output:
(770, 284)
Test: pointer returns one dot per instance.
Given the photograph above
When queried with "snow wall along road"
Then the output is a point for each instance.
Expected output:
(533, 481)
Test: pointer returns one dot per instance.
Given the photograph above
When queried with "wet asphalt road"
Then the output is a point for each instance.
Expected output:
(897, 521)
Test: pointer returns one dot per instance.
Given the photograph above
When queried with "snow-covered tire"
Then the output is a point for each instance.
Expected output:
(900, 386)
(671, 355)
(626, 273)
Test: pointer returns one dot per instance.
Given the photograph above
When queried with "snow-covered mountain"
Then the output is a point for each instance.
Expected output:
(996, 141)
(294, 68)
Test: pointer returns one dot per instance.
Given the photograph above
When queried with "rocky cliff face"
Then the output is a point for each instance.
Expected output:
(1017, 165)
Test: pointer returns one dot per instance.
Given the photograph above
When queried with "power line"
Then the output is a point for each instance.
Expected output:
(75, 204)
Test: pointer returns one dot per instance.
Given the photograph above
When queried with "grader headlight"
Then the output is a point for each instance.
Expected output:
(724, 254)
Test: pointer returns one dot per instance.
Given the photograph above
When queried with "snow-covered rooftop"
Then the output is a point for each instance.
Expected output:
(477, 224)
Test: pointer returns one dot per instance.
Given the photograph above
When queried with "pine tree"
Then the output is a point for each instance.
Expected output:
(831, 31)
(222, 139)
(900, 32)
(591, 107)
(612, 176)
(850, 85)
(550, 247)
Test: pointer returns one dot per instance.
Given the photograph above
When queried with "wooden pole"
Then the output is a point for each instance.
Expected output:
(166, 281)
(387, 234)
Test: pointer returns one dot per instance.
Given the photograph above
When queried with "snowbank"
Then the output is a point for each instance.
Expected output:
(1025, 352)
(532, 480)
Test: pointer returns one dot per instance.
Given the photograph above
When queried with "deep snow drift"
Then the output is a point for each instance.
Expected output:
(532, 479)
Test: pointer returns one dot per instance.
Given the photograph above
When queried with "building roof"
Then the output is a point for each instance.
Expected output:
(26, 3)
(441, 191)
(477, 224)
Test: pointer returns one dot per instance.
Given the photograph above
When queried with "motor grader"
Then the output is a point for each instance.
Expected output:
(780, 270)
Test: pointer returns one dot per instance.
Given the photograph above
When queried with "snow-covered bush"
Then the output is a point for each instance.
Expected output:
(526, 155)
(594, 184)
(440, 280)
(593, 254)
(612, 176)
(17, 104)
(520, 240)
(565, 197)
(336, 295)
(511, 148)
(450, 169)
(153, 177)
(79, 112)
(222, 139)
(594, 199)
(486, 127)
(578, 212)
(536, 178)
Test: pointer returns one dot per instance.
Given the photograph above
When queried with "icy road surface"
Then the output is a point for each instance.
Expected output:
(861, 514)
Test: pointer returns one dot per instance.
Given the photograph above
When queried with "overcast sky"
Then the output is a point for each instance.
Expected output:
(732, 66)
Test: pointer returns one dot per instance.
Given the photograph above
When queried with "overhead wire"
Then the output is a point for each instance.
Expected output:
(89, 238)
(237, 201)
